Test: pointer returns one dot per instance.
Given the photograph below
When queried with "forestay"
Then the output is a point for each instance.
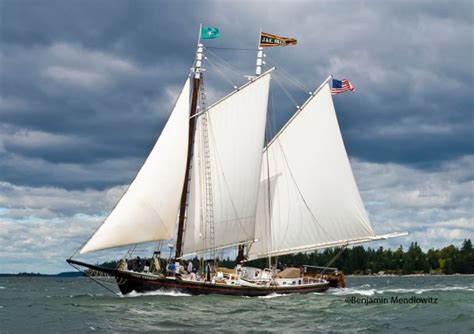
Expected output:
(314, 201)
(148, 209)
(236, 127)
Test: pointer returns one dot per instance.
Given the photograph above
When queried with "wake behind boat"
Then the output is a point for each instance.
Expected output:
(210, 183)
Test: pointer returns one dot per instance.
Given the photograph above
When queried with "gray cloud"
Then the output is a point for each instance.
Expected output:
(86, 86)
(434, 206)
(106, 82)
(52, 223)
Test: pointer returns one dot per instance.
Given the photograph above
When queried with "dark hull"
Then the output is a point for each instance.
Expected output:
(131, 281)
(140, 283)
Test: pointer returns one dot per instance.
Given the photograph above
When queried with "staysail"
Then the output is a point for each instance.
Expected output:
(236, 128)
(148, 209)
(308, 196)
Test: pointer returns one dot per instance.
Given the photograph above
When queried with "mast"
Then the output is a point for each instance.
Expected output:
(260, 56)
(258, 71)
(260, 63)
(240, 255)
(192, 126)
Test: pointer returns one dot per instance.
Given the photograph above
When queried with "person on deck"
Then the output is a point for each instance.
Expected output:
(137, 264)
(178, 268)
(208, 272)
(190, 267)
(155, 264)
(122, 265)
(171, 268)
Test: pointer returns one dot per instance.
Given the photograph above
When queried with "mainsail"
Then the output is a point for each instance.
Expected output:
(148, 209)
(236, 127)
(308, 196)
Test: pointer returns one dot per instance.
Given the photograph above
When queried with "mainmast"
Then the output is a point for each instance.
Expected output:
(258, 71)
(260, 63)
(192, 127)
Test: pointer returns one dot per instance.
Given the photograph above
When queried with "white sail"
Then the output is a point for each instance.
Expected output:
(236, 128)
(148, 209)
(313, 201)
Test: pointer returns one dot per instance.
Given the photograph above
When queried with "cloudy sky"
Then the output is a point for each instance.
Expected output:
(86, 87)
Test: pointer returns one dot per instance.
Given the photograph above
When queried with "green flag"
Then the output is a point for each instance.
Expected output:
(209, 33)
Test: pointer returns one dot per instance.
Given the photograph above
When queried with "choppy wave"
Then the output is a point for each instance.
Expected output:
(171, 293)
(420, 291)
(352, 291)
(273, 295)
(85, 295)
(371, 292)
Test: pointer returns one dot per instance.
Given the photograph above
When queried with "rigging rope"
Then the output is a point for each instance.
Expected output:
(343, 248)
(287, 93)
(230, 66)
(94, 280)
(225, 182)
(295, 81)
(130, 251)
(220, 72)
(300, 193)
(224, 48)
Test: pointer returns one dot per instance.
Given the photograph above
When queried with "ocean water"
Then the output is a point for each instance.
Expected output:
(369, 305)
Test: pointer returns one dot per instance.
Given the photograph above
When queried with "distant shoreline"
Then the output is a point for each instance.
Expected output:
(63, 274)
(79, 274)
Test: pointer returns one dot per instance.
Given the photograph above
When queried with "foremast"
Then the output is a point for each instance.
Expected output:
(192, 131)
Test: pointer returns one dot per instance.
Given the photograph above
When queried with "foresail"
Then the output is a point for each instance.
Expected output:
(148, 209)
(236, 128)
(313, 199)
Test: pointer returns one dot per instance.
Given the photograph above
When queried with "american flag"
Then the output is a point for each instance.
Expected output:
(341, 86)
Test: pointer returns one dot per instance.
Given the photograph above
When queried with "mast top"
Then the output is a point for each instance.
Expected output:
(260, 56)
(198, 62)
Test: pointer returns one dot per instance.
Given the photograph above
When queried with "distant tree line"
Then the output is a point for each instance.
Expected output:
(360, 261)
(25, 274)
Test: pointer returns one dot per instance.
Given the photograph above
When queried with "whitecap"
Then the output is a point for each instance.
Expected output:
(2, 287)
(171, 293)
(87, 295)
(352, 291)
(272, 295)
(420, 291)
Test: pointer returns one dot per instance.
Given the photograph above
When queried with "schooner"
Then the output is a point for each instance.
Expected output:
(211, 183)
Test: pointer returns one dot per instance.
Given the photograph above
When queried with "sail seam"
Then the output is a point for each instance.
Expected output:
(299, 191)
(225, 181)
(234, 92)
(298, 111)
